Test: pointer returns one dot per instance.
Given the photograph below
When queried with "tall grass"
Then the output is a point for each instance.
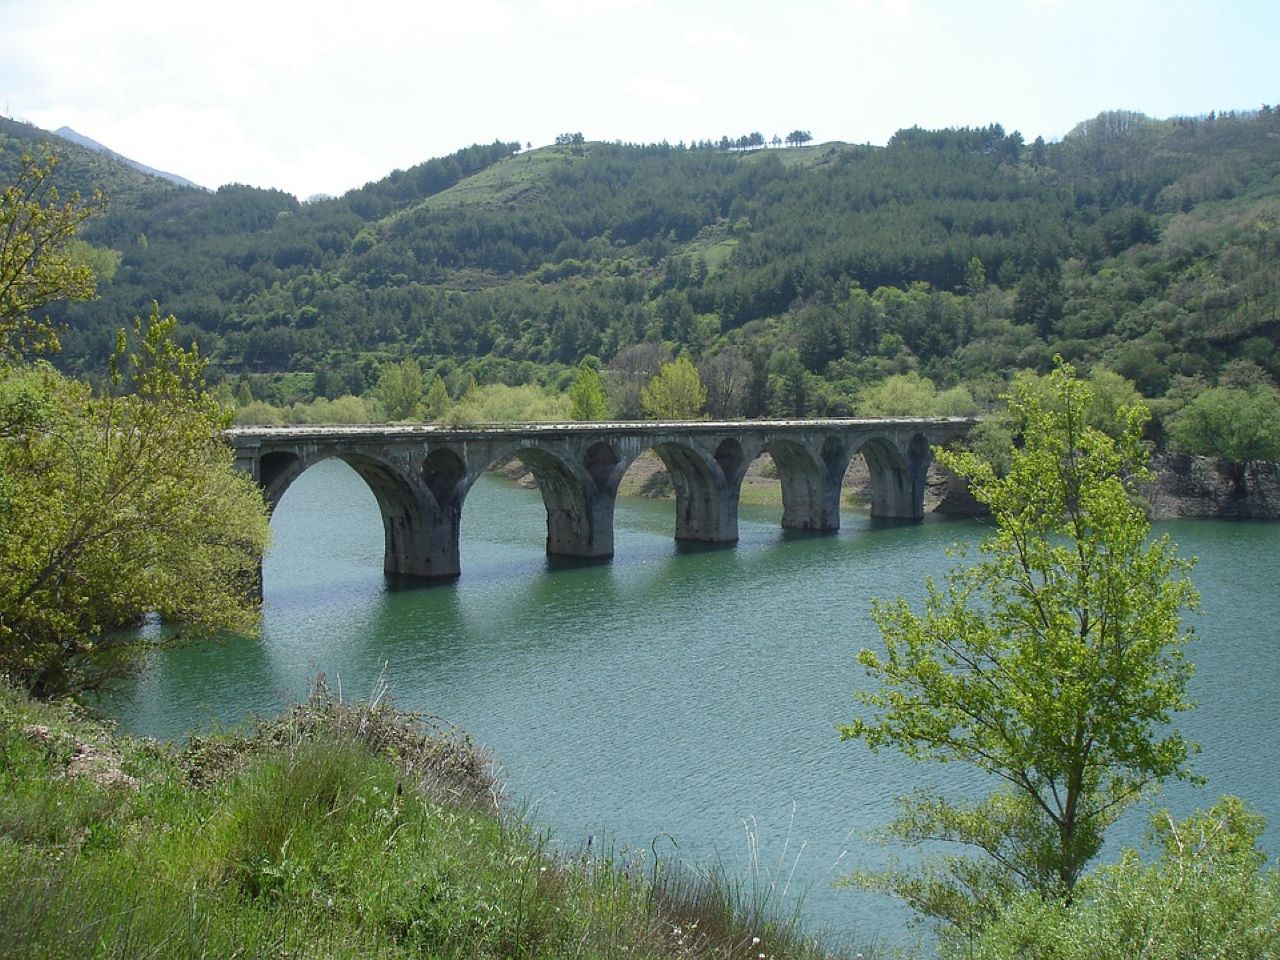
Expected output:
(335, 830)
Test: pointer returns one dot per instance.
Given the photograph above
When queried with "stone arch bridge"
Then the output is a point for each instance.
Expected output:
(420, 475)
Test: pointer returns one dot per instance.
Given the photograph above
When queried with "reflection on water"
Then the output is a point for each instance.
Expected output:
(692, 694)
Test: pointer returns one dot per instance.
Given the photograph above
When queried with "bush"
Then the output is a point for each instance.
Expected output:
(499, 403)
(1205, 897)
(1229, 424)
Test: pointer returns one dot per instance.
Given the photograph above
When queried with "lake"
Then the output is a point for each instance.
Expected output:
(677, 700)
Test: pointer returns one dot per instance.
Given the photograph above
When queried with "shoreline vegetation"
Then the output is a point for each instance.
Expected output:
(336, 829)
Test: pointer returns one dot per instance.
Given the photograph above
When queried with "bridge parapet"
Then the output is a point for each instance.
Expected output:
(420, 474)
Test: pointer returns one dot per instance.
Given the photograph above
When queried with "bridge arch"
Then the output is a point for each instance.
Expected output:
(276, 472)
(804, 479)
(445, 473)
(605, 464)
(578, 496)
(410, 523)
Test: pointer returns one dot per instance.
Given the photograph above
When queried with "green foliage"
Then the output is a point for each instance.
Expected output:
(586, 396)
(115, 506)
(676, 393)
(629, 372)
(346, 409)
(499, 403)
(1206, 897)
(1230, 424)
(438, 399)
(337, 830)
(101, 261)
(902, 395)
(38, 255)
(400, 389)
(259, 413)
(1110, 395)
(911, 395)
(1151, 248)
(1053, 665)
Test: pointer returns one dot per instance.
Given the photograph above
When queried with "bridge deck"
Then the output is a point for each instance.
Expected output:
(579, 427)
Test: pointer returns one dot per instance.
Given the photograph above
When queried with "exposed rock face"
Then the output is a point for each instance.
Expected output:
(949, 495)
(1201, 487)
(1184, 487)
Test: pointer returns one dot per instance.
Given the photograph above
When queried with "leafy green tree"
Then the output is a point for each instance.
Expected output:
(676, 393)
(975, 275)
(259, 413)
(115, 506)
(1053, 666)
(400, 389)
(500, 403)
(38, 262)
(586, 396)
(1111, 394)
(1206, 896)
(438, 399)
(902, 395)
(1230, 424)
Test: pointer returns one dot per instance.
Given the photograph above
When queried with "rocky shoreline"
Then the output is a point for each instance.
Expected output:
(1202, 487)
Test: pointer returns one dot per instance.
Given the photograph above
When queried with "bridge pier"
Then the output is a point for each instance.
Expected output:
(703, 518)
(423, 548)
(897, 482)
(706, 492)
(579, 516)
(810, 486)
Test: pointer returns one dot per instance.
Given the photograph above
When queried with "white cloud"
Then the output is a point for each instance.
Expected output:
(720, 38)
(884, 9)
(660, 92)
(581, 11)
(205, 144)
(333, 168)
(156, 49)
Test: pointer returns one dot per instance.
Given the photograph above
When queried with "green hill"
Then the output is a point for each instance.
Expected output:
(1149, 246)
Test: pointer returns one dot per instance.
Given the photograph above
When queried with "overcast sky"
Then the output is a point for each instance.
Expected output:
(322, 96)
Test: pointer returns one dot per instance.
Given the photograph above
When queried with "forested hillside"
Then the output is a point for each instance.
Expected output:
(1151, 247)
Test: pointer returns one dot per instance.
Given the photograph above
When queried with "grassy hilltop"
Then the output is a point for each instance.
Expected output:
(1149, 247)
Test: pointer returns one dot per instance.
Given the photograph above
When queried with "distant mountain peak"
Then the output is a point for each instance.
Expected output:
(66, 133)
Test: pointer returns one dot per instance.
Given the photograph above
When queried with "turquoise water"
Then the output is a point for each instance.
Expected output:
(678, 700)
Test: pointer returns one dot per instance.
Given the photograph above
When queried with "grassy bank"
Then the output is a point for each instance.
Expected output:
(335, 830)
